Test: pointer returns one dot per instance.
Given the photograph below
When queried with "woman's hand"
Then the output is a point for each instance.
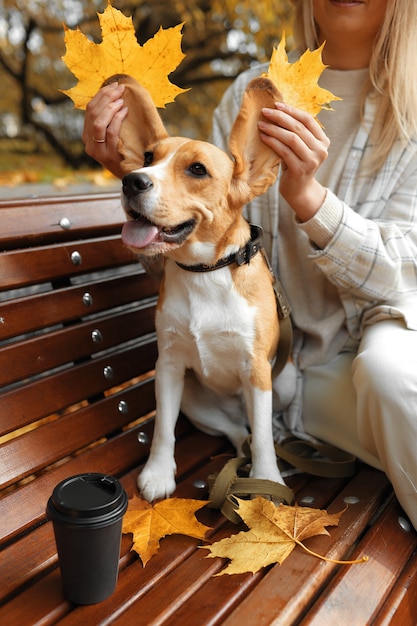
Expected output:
(302, 145)
(103, 119)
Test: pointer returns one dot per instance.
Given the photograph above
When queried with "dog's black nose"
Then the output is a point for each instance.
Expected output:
(136, 183)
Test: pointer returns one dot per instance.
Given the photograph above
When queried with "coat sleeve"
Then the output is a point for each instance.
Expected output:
(371, 250)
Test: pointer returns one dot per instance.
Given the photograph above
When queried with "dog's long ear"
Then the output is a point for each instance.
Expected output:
(255, 163)
(141, 127)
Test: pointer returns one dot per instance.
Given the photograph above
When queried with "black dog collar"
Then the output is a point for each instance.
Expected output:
(242, 256)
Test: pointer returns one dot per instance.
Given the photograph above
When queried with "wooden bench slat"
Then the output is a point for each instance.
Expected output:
(176, 604)
(21, 562)
(204, 602)
(179, 585)
(30, 313)
(400, 607)
(51, 442)
(37, 221)
(47, 396)
(37, 604)
(20, 268)
(388, 548)
(69, 345)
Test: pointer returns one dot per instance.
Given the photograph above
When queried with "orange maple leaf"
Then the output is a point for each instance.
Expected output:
(297, 81)
(273, 533)
(120, 53)
(150, 523)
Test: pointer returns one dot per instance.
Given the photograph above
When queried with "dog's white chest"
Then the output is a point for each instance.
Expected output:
(204, 324)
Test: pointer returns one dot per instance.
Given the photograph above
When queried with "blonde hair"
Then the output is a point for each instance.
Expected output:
(391, 72)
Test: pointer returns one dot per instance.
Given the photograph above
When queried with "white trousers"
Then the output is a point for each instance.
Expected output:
(366, 403)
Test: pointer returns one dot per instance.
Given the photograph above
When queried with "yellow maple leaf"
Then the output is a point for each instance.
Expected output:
(120, 53)
(297, 81)
(273, 533)
(150, 523)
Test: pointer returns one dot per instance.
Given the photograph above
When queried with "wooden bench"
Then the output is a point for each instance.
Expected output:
(77, 353)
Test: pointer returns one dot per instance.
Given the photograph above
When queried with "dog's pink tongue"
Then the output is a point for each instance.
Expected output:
(138, 234)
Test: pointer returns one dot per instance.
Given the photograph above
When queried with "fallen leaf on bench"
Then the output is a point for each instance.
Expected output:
(120, 53)
(273, 533)
(297, 81)
(150, 523)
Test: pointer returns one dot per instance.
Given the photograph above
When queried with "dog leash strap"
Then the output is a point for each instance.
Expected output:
(318, 459)
(284, 314)
(233, 480)
(284, 346)
(229, 484)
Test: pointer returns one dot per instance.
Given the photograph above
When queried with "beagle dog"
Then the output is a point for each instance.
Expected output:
(216, 320)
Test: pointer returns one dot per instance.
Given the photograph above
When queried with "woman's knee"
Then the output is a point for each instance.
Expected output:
(386, 359)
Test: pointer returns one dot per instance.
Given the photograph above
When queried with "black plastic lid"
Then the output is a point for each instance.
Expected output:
(90, 497)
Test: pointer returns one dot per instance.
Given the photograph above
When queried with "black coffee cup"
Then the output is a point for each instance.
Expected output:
(87, 513)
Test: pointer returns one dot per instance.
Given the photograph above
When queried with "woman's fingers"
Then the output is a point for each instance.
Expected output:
(302, 145)
(103, 119)
(293, 133)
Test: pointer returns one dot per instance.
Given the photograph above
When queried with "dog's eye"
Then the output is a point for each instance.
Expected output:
(197, 169)
(148, 158)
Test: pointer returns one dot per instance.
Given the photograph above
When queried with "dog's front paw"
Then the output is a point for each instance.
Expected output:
(155, 484)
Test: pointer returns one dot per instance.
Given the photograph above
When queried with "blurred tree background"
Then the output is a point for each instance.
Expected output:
(221, 38)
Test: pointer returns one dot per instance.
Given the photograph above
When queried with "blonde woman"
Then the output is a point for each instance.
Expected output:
(340, 227)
